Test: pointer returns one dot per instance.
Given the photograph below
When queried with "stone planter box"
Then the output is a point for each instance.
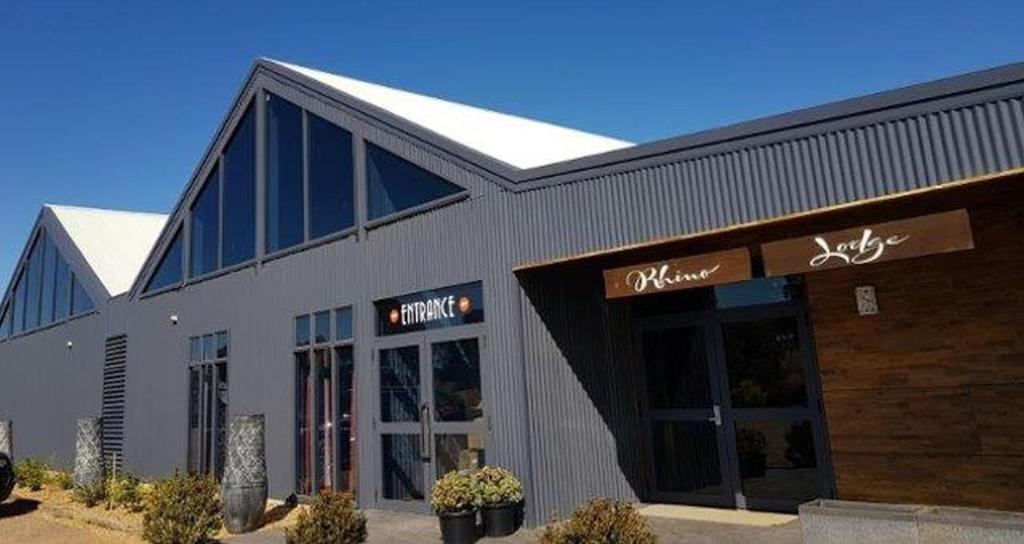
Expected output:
(841, 522)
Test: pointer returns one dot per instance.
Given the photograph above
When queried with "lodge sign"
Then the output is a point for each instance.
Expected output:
(926, 235)
(675, 274)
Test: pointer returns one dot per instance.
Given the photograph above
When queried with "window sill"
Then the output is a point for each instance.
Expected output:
(416, 210)
(53, 325)
(333, 237)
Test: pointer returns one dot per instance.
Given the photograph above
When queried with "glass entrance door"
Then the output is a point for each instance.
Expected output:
(430, 413)
(683, 405)
(732, 408)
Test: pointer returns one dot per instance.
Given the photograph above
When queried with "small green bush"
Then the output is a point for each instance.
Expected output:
(601, 521)
(498, 486)
(125, 491)
(182, 510)
(455, 492)
(91, 495)
(31, 473)
(64, 479)
(332, 519)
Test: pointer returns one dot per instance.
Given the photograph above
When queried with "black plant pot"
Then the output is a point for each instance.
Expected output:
(500, 519)
(7, 476)
(458, 527)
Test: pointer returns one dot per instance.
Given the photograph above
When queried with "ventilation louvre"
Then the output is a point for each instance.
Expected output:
(114, 369)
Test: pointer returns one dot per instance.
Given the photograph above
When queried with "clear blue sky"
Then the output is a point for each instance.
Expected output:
(110, 103)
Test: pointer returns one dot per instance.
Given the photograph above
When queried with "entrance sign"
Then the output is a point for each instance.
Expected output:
(675, 274)
(434, 309)
(926, 235)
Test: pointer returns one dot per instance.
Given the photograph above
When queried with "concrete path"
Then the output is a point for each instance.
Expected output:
(682, 524)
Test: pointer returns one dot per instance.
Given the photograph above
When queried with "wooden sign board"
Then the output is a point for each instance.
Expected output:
(926, 235)
(676, 274)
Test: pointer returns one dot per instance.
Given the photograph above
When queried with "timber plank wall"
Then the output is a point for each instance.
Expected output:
(925, 401)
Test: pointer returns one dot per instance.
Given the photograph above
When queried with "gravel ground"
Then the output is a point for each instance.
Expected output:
(23, 521)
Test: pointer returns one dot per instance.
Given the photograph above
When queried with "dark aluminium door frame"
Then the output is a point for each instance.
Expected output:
(722, 413)
(426, 428)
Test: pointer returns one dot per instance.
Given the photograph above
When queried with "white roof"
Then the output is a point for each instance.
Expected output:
(114, 243)
(519, 142)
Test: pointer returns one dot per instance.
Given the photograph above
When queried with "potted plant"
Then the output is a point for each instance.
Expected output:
(501, 496)
(455, 499)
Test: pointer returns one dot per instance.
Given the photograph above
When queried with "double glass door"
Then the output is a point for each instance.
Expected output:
(732, 408)
(430, 418)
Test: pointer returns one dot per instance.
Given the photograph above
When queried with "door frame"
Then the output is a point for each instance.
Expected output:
(427, 430)
(711, 321)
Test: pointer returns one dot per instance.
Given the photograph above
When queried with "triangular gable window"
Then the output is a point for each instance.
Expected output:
(45, 291)
(168, 272)
(396, 184)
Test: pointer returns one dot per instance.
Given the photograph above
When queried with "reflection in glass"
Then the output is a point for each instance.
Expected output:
(346, 413)
(322, 326)
(331, 185)
(457, 394)
(324, 424)
(220, 447)
(458, 452)
(677, 368)
(777, 460)
(303, 424)
(302, 330)
(194, 412)
(686, 457)
(203, 251)
(33, 283)
(62, 290)
(80, 301)
(758, 291)
(764, 361)
(400, 384)
(222, 345)
(395, 184)
(285, 219)
(402, 467)
(239, 228)
(168, 272)
(49, 266)
(343, 324)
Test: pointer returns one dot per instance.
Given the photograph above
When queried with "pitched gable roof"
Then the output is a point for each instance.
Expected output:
(113, 243)
(516, 141)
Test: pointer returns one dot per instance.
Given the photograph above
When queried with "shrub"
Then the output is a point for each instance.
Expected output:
(64, 479)
(125, 491)
(497, 485)
(455, 492)
(182, 510)
(30, 473)
(332, 519)
(600, 521)
(91, 494)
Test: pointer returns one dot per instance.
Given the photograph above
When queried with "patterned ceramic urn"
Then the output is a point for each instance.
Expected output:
(7, 437)
(244, 488)
(89, 469)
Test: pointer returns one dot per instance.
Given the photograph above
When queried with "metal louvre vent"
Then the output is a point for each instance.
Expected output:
(114, 369)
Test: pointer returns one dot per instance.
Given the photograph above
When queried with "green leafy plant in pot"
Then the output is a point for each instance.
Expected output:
(455, 498)
(501, 496)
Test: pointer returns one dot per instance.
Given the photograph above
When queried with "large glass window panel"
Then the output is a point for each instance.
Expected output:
(49, 268)
(395, 184)
(343, 324)
(686, 457)
(80, 301)
(400, 384)
(62, 290)
(285, 218)
(302, 330)
(456, 381)
(168, 272)
(777, 460)
(764, 360)
(239, 244)
(18, 302)
(33, 284)
(677, 368)
(346, 415)
(203, 253)
(402, 467)
(331, 191)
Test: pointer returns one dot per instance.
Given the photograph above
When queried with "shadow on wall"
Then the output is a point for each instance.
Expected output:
(594, 342)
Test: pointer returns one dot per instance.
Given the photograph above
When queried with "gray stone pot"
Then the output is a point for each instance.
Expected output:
(89, 469)
(7, 437)
(244, 487)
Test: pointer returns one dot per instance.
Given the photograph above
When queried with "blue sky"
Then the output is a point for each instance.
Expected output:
(111, 103)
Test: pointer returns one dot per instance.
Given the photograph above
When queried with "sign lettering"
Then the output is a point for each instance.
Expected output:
(926, 235)
(675, 274)
(438, 308)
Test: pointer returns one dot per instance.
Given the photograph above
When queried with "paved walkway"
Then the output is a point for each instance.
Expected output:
(672, 524)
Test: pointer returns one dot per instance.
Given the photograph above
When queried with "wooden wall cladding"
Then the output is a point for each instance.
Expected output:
(925, 401)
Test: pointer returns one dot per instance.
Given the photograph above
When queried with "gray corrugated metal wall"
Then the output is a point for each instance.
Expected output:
(558, 382)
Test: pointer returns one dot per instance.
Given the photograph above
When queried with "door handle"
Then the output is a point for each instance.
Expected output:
(716, 416)
(425, 432)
